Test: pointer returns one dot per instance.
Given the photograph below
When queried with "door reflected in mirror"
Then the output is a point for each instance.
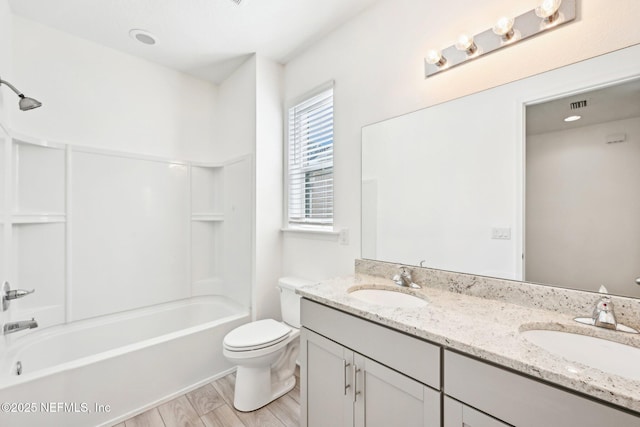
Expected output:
(582, 193)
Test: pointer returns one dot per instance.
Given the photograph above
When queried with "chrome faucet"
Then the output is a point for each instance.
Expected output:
(21, 325)
(405, 279)
(603, 315)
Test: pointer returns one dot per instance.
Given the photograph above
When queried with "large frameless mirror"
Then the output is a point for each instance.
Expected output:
(498, 183)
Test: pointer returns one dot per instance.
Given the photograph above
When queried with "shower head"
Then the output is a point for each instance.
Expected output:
(25, 102)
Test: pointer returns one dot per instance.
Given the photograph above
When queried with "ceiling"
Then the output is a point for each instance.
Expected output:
(618, 102)
(208, 39)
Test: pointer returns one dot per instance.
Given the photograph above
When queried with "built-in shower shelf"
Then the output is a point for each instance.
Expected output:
(207, 217)
(38, 218)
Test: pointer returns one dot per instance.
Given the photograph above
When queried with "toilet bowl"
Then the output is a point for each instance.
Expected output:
(265, 352)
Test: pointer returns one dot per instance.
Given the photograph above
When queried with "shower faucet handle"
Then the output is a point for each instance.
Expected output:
(8, 294)
(18, 293)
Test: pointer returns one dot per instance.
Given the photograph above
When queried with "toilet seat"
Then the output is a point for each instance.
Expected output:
(256, 335)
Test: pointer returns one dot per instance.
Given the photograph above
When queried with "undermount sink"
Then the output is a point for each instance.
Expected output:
(389, 298)
(605, 355)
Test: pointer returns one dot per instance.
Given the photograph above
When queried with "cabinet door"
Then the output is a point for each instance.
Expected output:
(458, 415)
(384, 397)
(325, 382)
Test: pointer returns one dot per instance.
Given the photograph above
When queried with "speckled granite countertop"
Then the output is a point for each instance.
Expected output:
(488, 329)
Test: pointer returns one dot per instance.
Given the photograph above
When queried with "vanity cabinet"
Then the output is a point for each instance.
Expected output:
(355, 372)
(457, 414)
(349, 386)
(519, 400)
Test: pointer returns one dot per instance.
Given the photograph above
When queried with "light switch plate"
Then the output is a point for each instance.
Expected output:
(501, 233)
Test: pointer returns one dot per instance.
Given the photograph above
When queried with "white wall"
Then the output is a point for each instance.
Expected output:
(236, 113)
(582, 208)
(5, 59)
(376, 61)
(268, 213)
(250, 122)
(99, 97)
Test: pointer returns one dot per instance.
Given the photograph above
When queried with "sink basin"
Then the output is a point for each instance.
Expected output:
(608, 356)
(388, 298)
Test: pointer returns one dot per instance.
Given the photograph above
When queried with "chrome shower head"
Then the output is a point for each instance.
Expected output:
(25, 102)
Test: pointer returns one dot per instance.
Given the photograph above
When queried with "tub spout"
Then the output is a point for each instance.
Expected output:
(21, 325)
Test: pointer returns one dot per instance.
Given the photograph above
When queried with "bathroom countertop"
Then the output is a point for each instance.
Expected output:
(489, 330)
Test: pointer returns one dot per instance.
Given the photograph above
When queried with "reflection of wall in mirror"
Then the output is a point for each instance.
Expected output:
(370, 220)
(440, 187)
(582, 208)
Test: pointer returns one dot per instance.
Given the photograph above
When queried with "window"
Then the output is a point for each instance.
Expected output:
(310, 161)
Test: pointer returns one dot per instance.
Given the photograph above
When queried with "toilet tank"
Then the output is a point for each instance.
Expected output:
(289, 300)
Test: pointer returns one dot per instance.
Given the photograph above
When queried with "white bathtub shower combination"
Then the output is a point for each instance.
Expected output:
(101, 371)
(139, 267)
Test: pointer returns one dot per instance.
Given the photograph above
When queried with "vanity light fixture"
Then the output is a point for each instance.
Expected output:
(506, 32)
(548, 10)
(466, 44)
(504, 29)
(434, 57)
(572, 118)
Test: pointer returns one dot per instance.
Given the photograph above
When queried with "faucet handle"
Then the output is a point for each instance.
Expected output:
(7, 294)
(18, 293)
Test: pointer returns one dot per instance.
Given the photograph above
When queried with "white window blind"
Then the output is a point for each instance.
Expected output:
(310, 161)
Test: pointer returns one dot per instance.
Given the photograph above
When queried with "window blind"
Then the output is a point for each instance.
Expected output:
(310, 161)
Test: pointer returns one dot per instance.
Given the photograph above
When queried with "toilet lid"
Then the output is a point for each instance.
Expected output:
(254, 335)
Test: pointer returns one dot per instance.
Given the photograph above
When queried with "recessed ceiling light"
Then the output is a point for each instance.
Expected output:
(572, 118)
(143, 36)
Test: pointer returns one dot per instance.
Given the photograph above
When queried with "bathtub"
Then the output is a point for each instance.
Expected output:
(101, 371)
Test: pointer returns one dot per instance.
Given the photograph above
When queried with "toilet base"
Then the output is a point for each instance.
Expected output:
(251, 395)
(257, 386)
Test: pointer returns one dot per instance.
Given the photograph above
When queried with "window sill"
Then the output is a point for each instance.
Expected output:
(311, 231)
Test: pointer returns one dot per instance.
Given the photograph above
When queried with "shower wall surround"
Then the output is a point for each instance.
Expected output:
(98, 232)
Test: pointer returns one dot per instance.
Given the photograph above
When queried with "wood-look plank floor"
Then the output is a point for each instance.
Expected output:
(212, 406)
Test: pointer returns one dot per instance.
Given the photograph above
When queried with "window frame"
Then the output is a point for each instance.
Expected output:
(287, 224)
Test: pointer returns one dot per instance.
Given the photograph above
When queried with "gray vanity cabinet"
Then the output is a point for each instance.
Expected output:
(340, 386)
(457, 414)
(522, 401)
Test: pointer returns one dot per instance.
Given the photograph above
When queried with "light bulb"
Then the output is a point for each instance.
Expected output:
(504, 28)
(465, 42)
(548, 9)
(434, 57)
(572, 118)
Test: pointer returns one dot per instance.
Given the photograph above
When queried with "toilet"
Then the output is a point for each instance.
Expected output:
(265, 351)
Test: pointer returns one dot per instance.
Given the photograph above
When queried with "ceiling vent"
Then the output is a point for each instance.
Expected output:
(616, 138)
(578, 104)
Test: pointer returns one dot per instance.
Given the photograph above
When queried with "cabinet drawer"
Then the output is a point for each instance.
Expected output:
(522, 401)
(413, 357)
